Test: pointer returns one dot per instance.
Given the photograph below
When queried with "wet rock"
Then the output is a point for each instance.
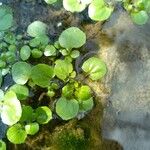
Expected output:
(127, 54)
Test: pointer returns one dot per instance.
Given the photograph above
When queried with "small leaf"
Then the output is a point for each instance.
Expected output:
(95, 68)
(86, 105)
(16, 134)
(140, 17)
(32, 128)
(27, 114)
(1, 78)
(50, 1)
(11, 110)
(98, 10)
(67, 109)
(50, 50)
(6, 18)
(36, 53)
(25, 52)
(73, 5)
(62, 69)
(83, 93)
(43, 115)
(75, 54)
(2, 145)
(21, 91)
(72, 37)
(37, 28)
(41, 75)
(21, 72)
(68, 91)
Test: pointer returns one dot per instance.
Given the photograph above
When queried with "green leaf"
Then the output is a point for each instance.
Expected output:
(36, 53)
(72, 37)
(98, 10)
(50, 50)
(21, 91)
(11, 110)
(95, 68)
(21, 72)
(86, 105)
(1, 78)
(2, 145)
(36, 29)
(50, 1)
(83, 93)
(6, 18)
(41, 75)
(16, 134)
(62, 69)
(67, 109)
(73, 5)
(27, 114)
(68, 90)
(32, 128)
(43, 115)
(75, 54)
(140, 17)
(25, 52)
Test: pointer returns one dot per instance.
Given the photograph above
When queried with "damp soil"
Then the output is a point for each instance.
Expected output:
(83, 134)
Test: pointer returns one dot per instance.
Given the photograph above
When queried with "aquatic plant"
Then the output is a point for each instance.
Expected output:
(100, 10)
(56, 77)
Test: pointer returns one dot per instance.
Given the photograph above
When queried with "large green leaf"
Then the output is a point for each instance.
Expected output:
(36, 29)
(41, 75)
(72, 37)
(6, 18)
(73, 5)
(95, 68)
(21, 72)
(11, 110)
(63, 69)
(67, 109)
(16, 134)
(98, 10)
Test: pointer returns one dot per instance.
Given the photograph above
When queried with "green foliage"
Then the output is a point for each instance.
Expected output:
(99, 11)
(36, 29)
(72, 37)
(50, 50)
(95, 68)
(2, 145)
(21, 72)
(16, 134)
(32, 128)
(21, 91)
(11, 110)
(6, 18)
(63, 69)
(41, 75)
(50, 1)
(36, 53)
(25, 52)
(67, 109)
(43, 115)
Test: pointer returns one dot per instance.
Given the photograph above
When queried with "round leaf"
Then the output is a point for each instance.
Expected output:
(6, 18)
(43, 115)
(16, 134)
(25, 52)
(37, 28)
(98, 10)
(67, 109)
(21, 72)
(41, 75)
(21, 91)
(73, 5)
(95, 68)
(140, 17)
(36, 53)
(2, 145)
(72, 37)
(50, 1)
(32, 128)
(50, 50)
(62, 69)
(11, 110)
